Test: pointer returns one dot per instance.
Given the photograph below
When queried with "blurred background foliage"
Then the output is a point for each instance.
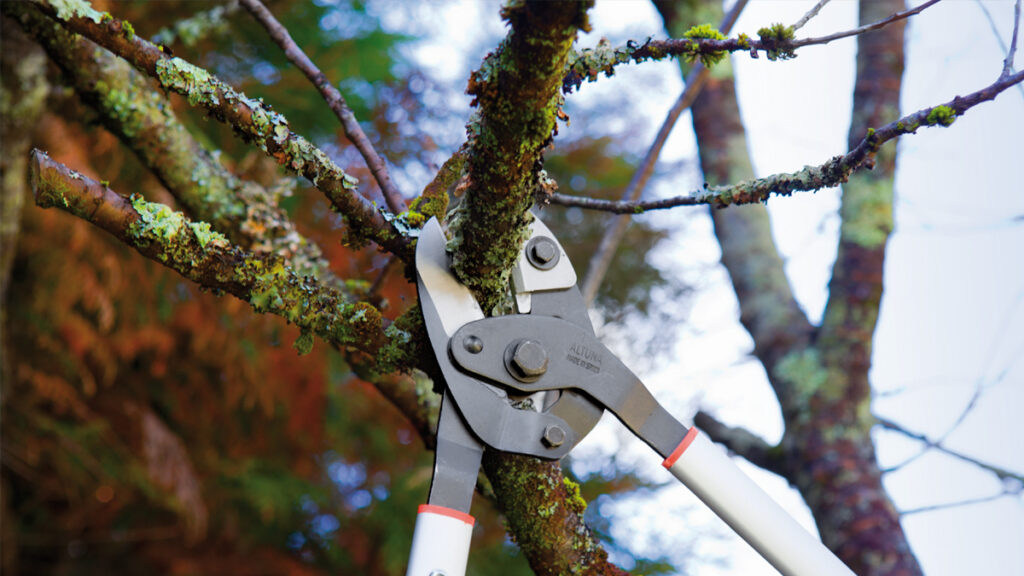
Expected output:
(149, 426)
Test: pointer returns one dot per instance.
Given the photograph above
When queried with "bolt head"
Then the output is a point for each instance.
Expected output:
(554, 436)
(542, 253)
(529, 359)
(473, 344)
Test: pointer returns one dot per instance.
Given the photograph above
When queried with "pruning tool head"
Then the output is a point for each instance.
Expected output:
(546, 423)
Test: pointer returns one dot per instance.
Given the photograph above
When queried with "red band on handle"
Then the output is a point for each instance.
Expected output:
(449, 512)
(687, 440)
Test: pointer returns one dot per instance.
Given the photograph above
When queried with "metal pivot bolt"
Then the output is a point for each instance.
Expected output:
(527, 360)
(554, 436)
(542, 252)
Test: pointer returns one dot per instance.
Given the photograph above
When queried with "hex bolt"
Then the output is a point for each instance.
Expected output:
(542, 252)
(529, 361)
(554, 436)
(473, 344)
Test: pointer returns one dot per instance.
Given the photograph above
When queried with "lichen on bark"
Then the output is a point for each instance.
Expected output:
(516, 92)
(207, 258)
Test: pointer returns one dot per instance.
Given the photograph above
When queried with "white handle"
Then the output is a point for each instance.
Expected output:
(440, 542)
(706, 470)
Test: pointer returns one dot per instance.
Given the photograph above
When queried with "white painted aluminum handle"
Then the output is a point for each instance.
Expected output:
(706, 470)
(440, 542)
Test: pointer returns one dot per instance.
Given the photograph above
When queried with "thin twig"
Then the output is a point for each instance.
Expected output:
(1008, 62)
(957, 504)
(982, 385)
(602, 258)
(1001, 473)
(866, 28)
(832, 173)
(354, 132)
(810, 14)
(999, 39)
(589, 64)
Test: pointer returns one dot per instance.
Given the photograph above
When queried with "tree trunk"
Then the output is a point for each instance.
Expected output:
(820, 376)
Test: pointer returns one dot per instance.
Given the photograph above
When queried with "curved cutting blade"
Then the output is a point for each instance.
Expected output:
(447, 306)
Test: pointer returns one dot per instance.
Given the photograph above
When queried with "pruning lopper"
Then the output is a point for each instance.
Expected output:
(536, 383)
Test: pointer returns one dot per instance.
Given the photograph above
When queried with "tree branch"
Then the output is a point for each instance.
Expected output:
(334, 99)
(253, 120)
(602, 258)
(958, 504)
(208, 259)
(1001, 473)
(516, 92)
(545, 514)
(1011, 52)
(810, 14)
(743, 443)
(777, 41)
(134, 111)
(832, 173)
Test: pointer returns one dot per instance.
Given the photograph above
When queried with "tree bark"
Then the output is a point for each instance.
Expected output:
(820, 376)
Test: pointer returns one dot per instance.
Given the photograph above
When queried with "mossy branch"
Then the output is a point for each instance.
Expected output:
(544, 510)
(834, 172)
(516, 92)
(207, 258)
(702, 43)
(142, 118)
(251, 119)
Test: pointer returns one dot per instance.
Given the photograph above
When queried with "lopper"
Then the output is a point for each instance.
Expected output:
(548, 353)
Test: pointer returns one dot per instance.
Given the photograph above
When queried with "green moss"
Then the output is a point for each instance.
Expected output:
(576, 501)
(694, 50)
(51, 191)
(304, 343)
(776, 40)
(940, 115)
(704, 31)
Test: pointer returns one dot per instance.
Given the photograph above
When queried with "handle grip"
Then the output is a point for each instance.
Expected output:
(706, 470)
(440, 542)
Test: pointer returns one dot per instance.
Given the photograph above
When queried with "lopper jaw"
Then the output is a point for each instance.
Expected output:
(493, 411)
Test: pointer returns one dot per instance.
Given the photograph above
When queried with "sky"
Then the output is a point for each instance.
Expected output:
(951, 331)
